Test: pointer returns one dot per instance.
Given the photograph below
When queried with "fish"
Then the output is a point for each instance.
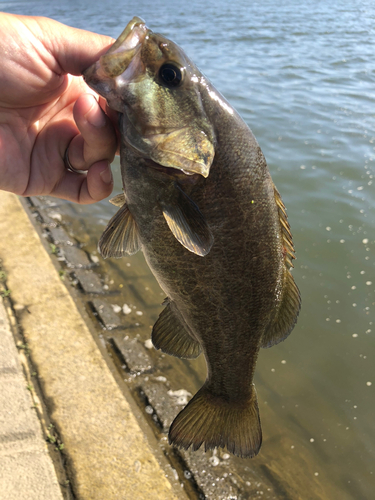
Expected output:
(199, 201)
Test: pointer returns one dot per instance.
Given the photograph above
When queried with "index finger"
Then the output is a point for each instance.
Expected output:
(73, 49)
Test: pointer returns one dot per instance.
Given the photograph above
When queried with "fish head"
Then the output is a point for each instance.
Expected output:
(160, 92)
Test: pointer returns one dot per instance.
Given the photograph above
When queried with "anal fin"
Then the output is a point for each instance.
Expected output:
(121, 235)
(170, 335)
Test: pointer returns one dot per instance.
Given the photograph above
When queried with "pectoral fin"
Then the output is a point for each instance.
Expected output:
(187, 223)
(170, 335)
(121, 235)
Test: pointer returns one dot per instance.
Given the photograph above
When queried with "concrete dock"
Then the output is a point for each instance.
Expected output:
(56, 389)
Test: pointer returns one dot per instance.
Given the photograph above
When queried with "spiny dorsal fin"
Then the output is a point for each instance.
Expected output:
(187, 223)
(118, 200)
(120, 236)
(286, 315)
(217, 422)
(170, 335)
(285, 230)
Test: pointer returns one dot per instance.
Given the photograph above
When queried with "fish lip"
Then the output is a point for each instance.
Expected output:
(124, 48)
(118, 58)
(136, 22)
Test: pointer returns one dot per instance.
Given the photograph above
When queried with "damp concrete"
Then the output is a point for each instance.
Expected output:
(106, 452)
(26, 469)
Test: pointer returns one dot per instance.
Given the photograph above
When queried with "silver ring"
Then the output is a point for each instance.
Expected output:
(69, 166)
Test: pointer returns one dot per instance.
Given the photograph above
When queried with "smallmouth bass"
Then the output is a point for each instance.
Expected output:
(200, 203)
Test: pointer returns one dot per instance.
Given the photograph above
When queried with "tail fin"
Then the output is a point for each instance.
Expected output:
(216, 422)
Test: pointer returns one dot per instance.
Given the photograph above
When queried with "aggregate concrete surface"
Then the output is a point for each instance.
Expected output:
(107, 454)
(26, 469)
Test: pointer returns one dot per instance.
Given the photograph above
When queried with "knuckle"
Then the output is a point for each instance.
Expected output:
(101, 151)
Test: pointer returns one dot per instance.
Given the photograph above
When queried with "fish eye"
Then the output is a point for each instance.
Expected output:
(170, 75)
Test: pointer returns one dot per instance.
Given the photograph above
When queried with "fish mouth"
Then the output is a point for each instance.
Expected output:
(128, 38)
(119, 56)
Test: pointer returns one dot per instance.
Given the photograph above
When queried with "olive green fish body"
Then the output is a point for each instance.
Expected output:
(199, 201)
(227, 297)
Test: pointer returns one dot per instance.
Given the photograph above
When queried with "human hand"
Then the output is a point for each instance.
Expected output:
(45, 106)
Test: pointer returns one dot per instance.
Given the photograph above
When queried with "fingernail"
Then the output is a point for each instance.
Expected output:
(96, 116)
(106, 175)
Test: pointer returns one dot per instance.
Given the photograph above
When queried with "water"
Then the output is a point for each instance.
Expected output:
(302, 76)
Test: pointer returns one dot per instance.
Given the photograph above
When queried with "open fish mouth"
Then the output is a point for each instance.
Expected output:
(117, 59)
(119, 56)
(136, 28)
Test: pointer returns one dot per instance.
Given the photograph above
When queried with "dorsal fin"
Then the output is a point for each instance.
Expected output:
(285, 230)
(170, 334)
(120, 236)
(290, 302)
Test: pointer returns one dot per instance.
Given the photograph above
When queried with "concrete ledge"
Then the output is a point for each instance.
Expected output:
(26, 470)
(107, 452)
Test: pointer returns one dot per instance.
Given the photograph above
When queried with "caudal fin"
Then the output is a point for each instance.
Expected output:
(219, 423)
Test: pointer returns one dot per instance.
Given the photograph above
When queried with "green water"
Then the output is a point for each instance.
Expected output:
(303, 78)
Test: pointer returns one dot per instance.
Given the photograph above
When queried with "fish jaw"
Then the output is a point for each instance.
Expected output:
(102, 76)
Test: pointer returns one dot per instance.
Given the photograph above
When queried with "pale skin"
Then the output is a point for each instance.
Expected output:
(45, 107)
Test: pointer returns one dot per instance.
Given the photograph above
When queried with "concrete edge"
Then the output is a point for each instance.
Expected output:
(107, 453)
(26, 468)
